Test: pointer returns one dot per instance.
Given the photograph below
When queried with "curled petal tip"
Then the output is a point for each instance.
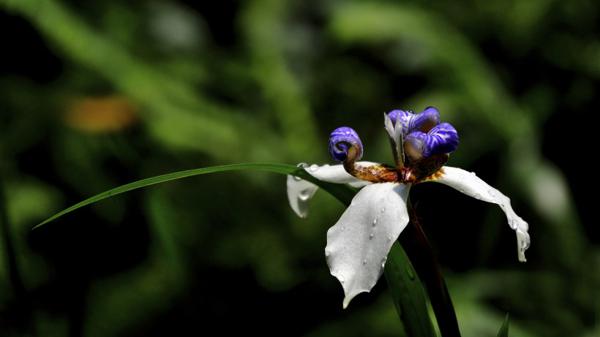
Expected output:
(347, 300)
(341, 141)
(425, 121)
(523, 242)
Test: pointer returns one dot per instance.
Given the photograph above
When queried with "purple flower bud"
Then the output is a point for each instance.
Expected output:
(411, 122)
(442, 138)
(414, 145)
(340, 142)
(403, 116)
(425, 120)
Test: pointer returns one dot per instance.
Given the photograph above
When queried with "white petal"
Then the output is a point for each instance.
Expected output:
(358, 244)
(389, 126)
(471, 185)
(337, 173)
(300, 191)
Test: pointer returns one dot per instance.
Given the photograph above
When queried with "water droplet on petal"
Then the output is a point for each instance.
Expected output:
(304, 195)
(374, 222)
(364, 262)
(383, 261)
(313, 167)
(382, 209)
(371, 236)
(296, 178)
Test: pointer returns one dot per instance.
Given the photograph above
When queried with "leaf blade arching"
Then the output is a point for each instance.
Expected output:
(342, 193)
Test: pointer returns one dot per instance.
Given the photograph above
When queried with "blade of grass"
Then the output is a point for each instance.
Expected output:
(341, 192)
(503, 332)
(402, 280)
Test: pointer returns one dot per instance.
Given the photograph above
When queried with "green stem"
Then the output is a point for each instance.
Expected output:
(416, 245)
(408, 294)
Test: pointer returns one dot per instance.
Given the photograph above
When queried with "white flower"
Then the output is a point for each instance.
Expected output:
(358, 244)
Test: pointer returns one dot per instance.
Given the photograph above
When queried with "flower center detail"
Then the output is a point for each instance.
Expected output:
(420, 144)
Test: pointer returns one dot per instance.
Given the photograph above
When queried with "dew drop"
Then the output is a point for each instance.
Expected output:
(411, 273)
(364, 262)
(313, 167)
(296, 178)
(304, 195)
(374, 222)
(371, 236)
(382, 209)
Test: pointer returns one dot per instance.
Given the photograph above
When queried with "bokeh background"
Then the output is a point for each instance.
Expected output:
(99, 93)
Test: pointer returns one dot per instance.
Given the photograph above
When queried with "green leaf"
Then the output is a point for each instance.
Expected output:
(504, 328)
(341, 192)
(407, 291)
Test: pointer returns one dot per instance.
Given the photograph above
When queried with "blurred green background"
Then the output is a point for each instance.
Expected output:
(99, 93)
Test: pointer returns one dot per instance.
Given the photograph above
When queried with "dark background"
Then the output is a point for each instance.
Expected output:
(100, 93)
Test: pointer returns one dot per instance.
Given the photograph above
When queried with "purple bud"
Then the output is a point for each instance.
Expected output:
(442, 138)
(425, 120)
(340, 142)
(404, 116)
(414, 145)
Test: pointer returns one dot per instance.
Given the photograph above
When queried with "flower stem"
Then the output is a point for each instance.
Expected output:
(417, 247)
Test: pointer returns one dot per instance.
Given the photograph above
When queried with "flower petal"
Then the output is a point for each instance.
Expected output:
(300, 191)
(337, 174)
(358, 244)
(471, 185)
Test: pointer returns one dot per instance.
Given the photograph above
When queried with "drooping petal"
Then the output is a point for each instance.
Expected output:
(300, 191)
(471, 185)
(358, 244)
